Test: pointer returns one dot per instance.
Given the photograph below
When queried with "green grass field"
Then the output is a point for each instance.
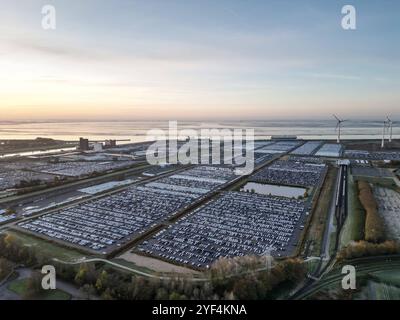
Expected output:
(47, 248)
(384, 182)
(388, 277)
(20, 287)
(132, 265)
(383, 291)
(353, 228)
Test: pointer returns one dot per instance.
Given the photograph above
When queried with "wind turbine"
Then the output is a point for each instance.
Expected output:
(383, 133)
(390, 124)
(338, 127)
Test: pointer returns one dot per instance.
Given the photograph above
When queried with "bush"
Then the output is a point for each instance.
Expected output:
(358, 249)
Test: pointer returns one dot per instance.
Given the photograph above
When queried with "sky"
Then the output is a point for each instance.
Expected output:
(199, 60)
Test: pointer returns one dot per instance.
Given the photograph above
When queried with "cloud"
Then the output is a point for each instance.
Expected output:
(334, 76)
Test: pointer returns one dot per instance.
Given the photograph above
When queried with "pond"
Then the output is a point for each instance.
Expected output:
(275, 190)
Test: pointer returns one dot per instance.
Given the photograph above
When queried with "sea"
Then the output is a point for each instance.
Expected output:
(138, 131)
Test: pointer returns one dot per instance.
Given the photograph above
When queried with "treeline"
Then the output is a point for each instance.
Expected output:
(26, 186)
(6, 268)
(13, 250)
(374, 242)
(235, 278)
(250, 277)
(358, 249)
(374, 224)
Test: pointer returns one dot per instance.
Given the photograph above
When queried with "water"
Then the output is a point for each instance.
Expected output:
(275, 190)
(136, 130)
(34, 153)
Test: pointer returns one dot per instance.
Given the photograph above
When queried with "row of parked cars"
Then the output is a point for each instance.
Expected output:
(10, 178)
(278, 147)
(367, 155)
(235, 224)
(109, 221)
(294, 173)
(81, 168)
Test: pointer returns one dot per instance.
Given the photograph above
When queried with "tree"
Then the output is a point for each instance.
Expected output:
(34, 286)
(102, 281)
(5, 268)
(88, 290)
(86, 274)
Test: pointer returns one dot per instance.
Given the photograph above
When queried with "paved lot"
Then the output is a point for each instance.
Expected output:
(236, 224)
(294, 173)
(81, 168)
(105, 223)
(309, 148)
(367, 155)
(330, 150)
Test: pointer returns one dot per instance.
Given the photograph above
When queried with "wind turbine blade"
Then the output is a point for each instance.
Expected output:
(336, 117)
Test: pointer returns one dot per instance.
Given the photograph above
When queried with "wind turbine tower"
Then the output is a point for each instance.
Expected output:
(383, 133)
(390, 124)
(338, 127)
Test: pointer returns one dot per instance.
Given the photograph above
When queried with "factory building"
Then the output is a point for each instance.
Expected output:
(83, 144)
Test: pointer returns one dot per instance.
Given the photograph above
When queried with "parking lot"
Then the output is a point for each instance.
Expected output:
(110, 221)
(236, 224)
(278, 147)
(4, 217)
(106, 223)
(309, 148)
(330, 150)
(9, 178)
(292, 173)
(305, 159)
(367, 155)
(81, 168)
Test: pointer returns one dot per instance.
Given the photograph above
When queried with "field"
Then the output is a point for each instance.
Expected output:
(47, 248)
(353, 228)
(388, 277)
(379, 291)
(20, 287)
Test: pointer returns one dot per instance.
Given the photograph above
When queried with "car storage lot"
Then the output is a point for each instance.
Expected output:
(81, 168)
(278, 147)
(236, 224)
(330, 150)
(309, 148)
(10, 178)
(291, 172)
(104, 224)
(367, 155)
